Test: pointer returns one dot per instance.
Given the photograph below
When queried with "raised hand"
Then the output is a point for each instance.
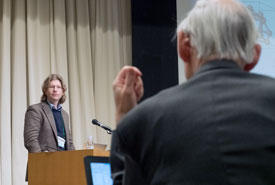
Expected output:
(128, 90)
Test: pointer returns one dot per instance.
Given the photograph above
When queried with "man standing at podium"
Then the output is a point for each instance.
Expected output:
(218, 128)
(47, 125)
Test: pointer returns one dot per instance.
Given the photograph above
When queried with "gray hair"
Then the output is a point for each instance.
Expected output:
(222, 30)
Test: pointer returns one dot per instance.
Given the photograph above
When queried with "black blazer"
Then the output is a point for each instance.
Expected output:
(218, 128)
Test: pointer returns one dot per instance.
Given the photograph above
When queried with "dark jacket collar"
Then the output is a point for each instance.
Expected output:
(218, 64)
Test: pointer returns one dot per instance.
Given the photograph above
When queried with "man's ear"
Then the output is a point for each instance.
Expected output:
(257, 54)
(184, 46)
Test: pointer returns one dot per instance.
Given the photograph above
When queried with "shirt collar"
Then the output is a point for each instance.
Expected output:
(59, 107)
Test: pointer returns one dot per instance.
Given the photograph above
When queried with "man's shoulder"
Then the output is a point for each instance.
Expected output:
(161, 101)
(168, 94)
(262, 82)
(37, 106)
(34, 109)
(268, 79)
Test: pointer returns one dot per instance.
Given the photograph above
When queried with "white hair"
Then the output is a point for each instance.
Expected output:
(221, 29)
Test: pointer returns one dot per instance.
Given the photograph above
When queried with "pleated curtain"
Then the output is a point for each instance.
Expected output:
(86, 41)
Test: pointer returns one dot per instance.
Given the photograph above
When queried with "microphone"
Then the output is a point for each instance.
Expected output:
(97, 123)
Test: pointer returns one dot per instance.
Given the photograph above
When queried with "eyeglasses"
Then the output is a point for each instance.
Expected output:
(55, 87)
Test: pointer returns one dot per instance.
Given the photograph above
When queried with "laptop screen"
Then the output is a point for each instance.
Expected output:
(98, 170)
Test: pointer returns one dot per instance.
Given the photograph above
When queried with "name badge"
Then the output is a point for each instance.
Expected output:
(61, 142)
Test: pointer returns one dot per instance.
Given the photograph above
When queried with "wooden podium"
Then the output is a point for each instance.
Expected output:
(60, 168)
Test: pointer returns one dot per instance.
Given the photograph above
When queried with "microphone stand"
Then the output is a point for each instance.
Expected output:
(97, 123)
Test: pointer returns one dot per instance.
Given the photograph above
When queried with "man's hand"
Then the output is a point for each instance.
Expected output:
(128, 90)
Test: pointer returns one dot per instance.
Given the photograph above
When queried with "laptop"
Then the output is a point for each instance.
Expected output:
(98, 170)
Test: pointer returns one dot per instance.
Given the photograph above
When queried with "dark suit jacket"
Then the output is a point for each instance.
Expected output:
(218, 128)
(40, 133)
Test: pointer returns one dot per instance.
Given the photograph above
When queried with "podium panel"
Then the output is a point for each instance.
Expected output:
(60, 168)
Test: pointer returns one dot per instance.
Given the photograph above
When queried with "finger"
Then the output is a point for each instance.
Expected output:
(126, 72)
(120, 78)
(139, 89)
(130, 77)
(122, 73)
(137, 71)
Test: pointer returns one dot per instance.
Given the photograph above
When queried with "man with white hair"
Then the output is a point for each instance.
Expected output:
(218, 128)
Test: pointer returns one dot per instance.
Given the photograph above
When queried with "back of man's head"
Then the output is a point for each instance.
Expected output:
(221, 28)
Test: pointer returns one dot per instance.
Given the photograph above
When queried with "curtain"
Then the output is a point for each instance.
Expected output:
(86, 41)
